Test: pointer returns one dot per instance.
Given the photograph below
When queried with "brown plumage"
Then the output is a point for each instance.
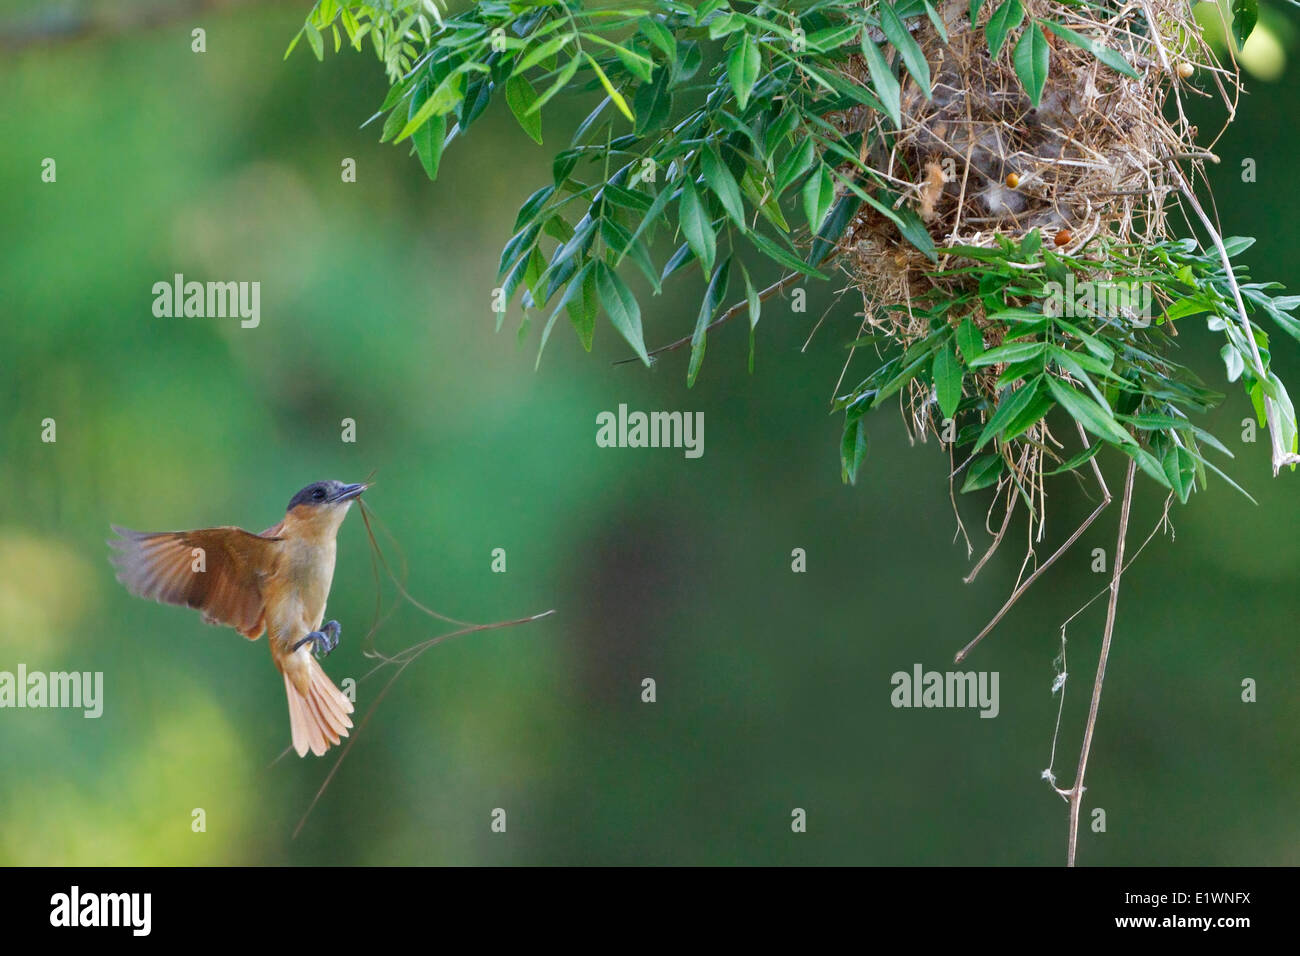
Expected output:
(277, 581)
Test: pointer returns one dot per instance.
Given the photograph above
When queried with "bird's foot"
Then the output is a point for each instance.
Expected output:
(324, 640)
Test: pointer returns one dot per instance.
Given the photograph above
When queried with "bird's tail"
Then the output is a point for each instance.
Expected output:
(319, 717)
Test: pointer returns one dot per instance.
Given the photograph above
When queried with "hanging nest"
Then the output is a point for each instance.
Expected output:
(981, 164)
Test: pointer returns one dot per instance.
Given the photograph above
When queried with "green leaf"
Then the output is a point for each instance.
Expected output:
(1244, 15)
(777, 254)
(1286, 418)
(521, 96)
(1180, 468)
(638, 64)
(532, 206)
(315, 41)
(429, 140)
(1233, 360)
(853, 446)
(911, 228)
(1220, 473)
(751, 298)
(742, 68)
(540, 52)
(1004, 19)
(659, 35)
(796, 163)
(1028, 416)
(778, 130)
(970, 340)
(833, 227)
(908, 372)
(1148, 463)
(947, 380)
(897, 34)
(678, 260)
(882, 79)
(831, 38)
(1030, 61)
(560, 83)
(620, 242)
(571, 293)
(722, 25)
(294, 42)
(1020, 371)
(653, 102)
(614, 94)
(936, 20)
(627, 198)
(818, 194)
(1079, 364)
(723, 184)
(536, 266)
(1009, 408)
(1106, 55)
(983, 472)
(1015, 352)
(1079, 459)
(1100, 421)
(696, 226)
(652, 215)
(1031, 243)
(352, 27)
(583, 316)
(518, 244)
(557, 228)
(1236, 245)
(712, 299)
(443, 101)
(621, 307)
(1093, 344)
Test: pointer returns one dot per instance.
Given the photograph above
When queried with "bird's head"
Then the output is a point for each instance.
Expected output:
(323, 505)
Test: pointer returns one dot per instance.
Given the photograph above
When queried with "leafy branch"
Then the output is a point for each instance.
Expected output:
(1110, 373)
(721, 124)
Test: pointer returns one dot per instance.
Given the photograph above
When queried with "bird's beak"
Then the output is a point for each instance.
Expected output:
(348, 492)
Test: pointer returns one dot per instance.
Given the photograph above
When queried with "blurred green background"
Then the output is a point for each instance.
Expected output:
(773, 687)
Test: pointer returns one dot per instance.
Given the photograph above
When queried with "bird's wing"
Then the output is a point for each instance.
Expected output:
(219, 571)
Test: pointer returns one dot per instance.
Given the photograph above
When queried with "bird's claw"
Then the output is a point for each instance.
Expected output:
(324, 640)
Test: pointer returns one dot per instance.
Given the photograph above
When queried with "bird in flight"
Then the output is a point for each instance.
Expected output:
(276, 582)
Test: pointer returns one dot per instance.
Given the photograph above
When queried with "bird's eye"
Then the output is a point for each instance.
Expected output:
(318, 494)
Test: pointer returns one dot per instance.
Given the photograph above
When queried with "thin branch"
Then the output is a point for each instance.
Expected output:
(401, 661)
(997, 539)
(1076, 792)
(1015, 595)
(727, 316)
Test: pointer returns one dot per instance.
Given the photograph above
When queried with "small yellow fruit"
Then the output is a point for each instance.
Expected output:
(1185, 70)
(1013, 180)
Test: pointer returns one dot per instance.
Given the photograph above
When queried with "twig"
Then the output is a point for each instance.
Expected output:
(727, 316)
(402, 661)
(997, 539)
(1076, 792)
(1015, 595)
